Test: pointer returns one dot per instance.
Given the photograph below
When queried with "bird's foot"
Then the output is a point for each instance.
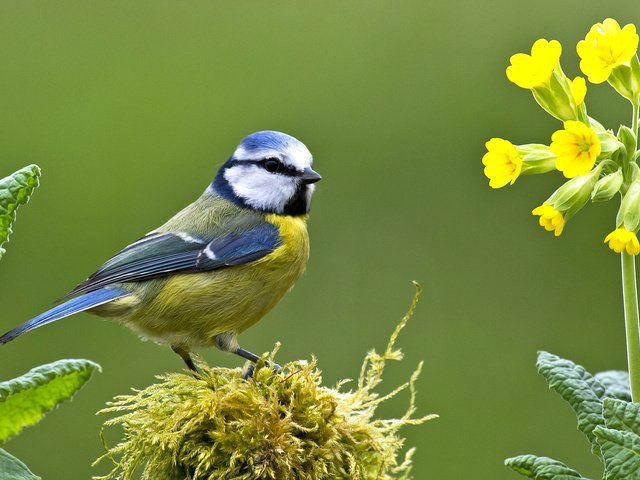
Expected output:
(248, 373)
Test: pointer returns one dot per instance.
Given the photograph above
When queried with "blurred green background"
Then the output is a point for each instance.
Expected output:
(130, 107)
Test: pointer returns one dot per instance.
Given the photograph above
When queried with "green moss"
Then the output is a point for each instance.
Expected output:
(274, 426)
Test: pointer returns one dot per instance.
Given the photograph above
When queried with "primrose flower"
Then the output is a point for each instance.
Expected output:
(605, 47)
(502, 162)
(578, 90)
(530, 71)
(621, 240)
(576, 148)
(550, 218)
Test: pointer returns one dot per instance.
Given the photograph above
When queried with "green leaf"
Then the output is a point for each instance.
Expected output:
(542, 468)
(13, 469)
(15, 190)
(579, 388)
(620, 415)
(615, 383)
(620, 452)
(25, 400)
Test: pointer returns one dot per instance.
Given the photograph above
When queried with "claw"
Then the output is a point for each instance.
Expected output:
(252, 357)
(248, 373)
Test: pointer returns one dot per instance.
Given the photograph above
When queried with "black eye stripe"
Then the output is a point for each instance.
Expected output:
(282, 168)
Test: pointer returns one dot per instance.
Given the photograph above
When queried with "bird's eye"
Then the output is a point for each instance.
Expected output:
(272, 165)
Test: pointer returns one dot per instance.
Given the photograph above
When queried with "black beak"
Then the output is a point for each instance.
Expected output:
(310, 176)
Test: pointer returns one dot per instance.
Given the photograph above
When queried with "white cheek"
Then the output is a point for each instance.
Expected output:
(259, 188)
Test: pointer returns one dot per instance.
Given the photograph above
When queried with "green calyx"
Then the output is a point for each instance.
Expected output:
(629, 212)
(607, 187)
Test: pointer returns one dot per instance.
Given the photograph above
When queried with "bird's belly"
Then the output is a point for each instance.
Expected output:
(191, 309)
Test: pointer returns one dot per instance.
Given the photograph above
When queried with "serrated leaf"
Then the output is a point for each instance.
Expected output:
(620, 453)
(621, 415)
(14, 191)
(542, 468)
(578, 387)
(25, 400)
(615, 383)
(13, 469)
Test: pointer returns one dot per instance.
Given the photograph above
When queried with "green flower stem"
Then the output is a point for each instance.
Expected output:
(634, 120)
(631, 318)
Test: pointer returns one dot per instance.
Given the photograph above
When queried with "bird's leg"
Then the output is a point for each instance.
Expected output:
(186, 356)
(252, 357)
(248, 373)
(227, 342)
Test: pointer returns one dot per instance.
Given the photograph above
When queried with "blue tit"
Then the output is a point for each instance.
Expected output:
(216, 267)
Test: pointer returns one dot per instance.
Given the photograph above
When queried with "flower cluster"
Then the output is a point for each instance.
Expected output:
(598, 162)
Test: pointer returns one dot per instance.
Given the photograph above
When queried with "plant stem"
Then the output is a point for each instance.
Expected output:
(631, 319)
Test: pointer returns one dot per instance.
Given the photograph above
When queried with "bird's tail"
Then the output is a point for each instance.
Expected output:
(75, 305)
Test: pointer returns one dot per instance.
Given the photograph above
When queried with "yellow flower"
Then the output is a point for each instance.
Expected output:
(576, 148)
(605, 47)
(502, 162)
(550, 218)
(578, 90)
(530, 71)
(622, 239)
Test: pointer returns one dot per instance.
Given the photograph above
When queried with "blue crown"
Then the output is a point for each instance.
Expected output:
(268, 139)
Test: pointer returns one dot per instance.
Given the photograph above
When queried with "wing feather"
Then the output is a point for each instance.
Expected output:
(161, 254)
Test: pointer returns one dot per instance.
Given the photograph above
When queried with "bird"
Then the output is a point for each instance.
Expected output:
(216, 267)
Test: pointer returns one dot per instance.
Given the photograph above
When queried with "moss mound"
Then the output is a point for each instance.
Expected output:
(283, 425)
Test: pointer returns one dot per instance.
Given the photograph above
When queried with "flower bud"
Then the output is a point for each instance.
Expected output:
(628, 139)
(629, 213)
(626, 80)
(609, 144)
(607, 187)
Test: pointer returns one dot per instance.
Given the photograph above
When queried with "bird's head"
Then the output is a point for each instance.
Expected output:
(270, 172)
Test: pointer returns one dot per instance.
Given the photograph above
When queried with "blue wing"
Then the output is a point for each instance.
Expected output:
(162, 254)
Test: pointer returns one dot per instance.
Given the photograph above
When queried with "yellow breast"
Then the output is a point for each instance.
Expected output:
(294, 250)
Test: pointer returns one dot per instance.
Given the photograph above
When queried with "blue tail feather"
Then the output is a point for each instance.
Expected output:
(75, 305)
